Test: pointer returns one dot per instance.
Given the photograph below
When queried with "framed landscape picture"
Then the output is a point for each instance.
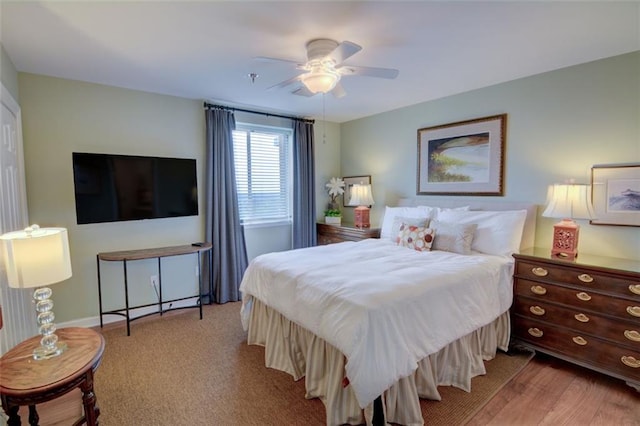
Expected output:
(615, 194)
(462, 158)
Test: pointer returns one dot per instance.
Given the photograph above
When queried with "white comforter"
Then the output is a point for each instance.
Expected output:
(385, 307)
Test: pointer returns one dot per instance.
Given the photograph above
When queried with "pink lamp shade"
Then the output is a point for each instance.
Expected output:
(568, 202)
(361, 197)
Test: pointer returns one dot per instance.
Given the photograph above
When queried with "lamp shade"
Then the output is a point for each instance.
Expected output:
(36, 256)
(320, 80)
(571, 201)
(361, 195)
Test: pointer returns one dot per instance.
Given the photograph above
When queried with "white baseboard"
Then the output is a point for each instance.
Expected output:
(133, 313)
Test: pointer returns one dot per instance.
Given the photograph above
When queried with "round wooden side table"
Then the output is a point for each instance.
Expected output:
(25, 381)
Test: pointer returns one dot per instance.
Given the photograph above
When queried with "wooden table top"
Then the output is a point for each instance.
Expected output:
(20, 374)
(153, 252)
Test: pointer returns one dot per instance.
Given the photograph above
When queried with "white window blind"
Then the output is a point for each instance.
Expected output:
(263, 173)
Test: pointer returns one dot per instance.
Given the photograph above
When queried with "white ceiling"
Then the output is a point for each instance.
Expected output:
(205, 50)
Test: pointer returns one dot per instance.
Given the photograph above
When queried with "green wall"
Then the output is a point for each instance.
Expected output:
(559, 124)
(8, 73)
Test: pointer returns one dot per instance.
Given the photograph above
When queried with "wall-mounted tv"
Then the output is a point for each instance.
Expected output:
(111, 188)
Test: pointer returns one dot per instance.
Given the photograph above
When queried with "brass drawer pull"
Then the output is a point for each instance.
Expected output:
(538, 289)
(581, 317)
(584, 297)
(535, 332)
(579, 341)
(537, 310)
(632, 335)
(585, 278)
(634, 288)
(630, 361)
(634, 311)
(539, 272)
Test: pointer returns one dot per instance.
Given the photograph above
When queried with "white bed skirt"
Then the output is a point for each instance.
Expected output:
(297, 351)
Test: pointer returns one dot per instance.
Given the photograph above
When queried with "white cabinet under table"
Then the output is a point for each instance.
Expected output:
(152, 253)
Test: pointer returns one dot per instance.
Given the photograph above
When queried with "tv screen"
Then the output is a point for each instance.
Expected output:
(110, 188)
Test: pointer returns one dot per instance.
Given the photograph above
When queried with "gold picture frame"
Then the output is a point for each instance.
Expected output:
(462, 158)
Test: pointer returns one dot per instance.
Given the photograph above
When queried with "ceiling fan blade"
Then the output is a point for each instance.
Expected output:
(303, 91)
(343, 51)
(338, 91)
(285, 83)
(368, 71)
(268, 59)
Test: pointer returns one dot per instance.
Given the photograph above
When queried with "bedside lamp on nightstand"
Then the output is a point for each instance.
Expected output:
(567, 202)
(361, 197)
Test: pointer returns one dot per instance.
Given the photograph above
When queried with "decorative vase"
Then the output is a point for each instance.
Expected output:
(332, 220)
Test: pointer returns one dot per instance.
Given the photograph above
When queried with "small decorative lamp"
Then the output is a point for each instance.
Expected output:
(37, 257)
(361, 197)
(568, 202)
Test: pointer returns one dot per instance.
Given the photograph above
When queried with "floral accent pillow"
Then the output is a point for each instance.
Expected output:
(415, 237)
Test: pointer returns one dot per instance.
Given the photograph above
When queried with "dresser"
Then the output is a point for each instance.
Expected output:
(329, 234)
(586, 311)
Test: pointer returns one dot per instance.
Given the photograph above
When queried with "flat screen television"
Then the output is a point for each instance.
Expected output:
(111, 188)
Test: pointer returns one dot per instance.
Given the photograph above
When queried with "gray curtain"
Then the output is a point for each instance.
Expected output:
(223, 227)
(304, 200)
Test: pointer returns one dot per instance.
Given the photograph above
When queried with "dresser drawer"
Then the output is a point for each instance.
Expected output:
(580, 277)
(583, 348)
(626, 309)
(619, 332)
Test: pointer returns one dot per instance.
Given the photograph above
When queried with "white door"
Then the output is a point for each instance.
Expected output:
(18, 313)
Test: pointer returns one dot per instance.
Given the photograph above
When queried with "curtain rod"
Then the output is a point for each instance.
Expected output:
(268, 114)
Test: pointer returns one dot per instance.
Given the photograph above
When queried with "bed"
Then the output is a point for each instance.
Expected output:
(390, 319)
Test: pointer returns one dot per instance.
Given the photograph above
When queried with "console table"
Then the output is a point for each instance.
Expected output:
(152, 253)
(25, 381)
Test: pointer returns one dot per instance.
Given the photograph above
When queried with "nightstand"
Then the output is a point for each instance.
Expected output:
(329, 234)
(585, 311)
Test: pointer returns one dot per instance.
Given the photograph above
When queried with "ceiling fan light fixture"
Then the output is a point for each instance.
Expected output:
(320, 81)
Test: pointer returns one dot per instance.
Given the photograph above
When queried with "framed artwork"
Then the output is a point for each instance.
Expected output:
(615, 194)
(349, 181)
(462, 158)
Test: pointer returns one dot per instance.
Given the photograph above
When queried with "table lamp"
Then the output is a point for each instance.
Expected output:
(361, 197)
(37, 257)
(568, 202)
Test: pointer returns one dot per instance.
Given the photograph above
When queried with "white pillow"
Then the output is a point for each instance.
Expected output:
(498, 232)
(390, 213)
(435, 211)
(453, 237)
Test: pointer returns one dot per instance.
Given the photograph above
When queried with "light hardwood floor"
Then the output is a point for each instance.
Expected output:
(549, 391)
(546, 392)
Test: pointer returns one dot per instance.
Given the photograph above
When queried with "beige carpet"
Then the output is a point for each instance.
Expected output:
(179, 370)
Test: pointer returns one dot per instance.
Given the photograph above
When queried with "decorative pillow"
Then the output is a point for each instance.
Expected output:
(398, 221)
(414, 237)
(497, 232)
(387, 230)
(453, 237)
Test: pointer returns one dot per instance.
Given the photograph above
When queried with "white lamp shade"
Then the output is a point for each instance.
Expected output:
(570, 201)
(38, 258)
(361, 195)
(320, 81)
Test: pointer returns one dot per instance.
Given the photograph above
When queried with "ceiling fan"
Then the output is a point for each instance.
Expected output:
(324, 68)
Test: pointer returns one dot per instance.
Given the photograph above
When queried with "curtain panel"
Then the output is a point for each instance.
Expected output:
(304, 200)
(223, 227)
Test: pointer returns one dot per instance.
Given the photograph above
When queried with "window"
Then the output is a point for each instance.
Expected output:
(263, 173)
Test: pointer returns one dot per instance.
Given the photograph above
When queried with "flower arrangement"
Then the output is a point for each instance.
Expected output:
(335, 187)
